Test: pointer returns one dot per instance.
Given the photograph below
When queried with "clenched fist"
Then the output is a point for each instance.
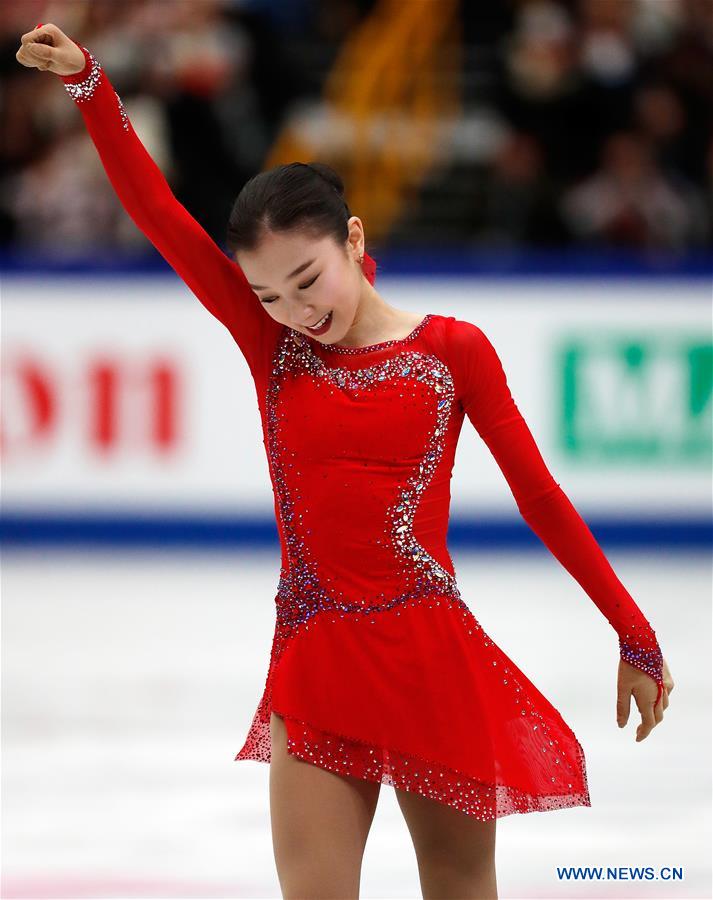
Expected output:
(48, 47)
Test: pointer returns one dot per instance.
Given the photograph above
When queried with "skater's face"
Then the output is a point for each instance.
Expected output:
(301, 279)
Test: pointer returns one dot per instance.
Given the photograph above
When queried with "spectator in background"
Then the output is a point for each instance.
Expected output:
(202, 72)
(60, 202)
(208, 86)
(686, 66)
(661, 117)
(607, 53)
(541, 88)
(517, 204)
(188, 76)
(609, 65)
(630, 202)
(709, 186)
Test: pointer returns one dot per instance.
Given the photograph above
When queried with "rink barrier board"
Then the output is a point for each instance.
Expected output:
(96, 530)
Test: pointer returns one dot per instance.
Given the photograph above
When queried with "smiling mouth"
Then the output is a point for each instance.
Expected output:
(322, 325)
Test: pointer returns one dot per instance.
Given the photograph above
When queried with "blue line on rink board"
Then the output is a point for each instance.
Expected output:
(117, 530)
(420, 262)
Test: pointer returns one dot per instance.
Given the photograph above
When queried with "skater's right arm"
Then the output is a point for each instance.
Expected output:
(217, 281)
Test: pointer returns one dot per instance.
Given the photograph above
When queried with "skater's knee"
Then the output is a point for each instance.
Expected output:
(444, 876)
(307, 880)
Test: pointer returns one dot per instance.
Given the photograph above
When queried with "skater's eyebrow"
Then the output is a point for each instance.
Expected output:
(261, 287)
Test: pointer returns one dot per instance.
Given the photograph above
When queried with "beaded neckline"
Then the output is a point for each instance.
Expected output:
(334, 348)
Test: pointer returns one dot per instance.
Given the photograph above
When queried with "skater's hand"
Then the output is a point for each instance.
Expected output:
(633, 681)
(49, 48)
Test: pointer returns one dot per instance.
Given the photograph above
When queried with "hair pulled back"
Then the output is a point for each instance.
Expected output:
(301, 196)
(307, 197)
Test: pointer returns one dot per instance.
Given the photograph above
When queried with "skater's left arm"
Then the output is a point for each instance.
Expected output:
(488, 403)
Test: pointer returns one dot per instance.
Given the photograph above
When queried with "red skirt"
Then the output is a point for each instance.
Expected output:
(419, 697)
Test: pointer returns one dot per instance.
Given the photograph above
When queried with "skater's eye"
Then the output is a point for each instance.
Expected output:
(302, 287)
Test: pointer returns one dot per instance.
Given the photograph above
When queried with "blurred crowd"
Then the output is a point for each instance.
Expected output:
(603, 111)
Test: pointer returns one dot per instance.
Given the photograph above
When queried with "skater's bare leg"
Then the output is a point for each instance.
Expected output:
(455, 852)
(320, 822)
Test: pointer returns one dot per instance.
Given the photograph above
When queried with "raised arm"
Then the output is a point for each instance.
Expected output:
(488, 403)
(214, 278)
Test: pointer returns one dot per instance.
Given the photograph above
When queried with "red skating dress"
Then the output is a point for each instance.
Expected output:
(378, 666)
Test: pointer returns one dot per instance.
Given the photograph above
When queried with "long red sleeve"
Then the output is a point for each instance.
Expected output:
(489, 405)
(217, 281)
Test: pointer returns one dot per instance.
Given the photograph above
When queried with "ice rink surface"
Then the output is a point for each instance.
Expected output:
(130, 681)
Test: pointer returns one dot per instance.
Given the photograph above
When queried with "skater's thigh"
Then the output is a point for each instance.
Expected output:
(440, 831)
(320, 820)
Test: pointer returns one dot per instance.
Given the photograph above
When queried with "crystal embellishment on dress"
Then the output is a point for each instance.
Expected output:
(302, 594)
(649, 660)
(295, 355)
(122, 113)
(83, 90)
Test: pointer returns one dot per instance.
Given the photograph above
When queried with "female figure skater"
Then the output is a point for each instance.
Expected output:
(379, 673)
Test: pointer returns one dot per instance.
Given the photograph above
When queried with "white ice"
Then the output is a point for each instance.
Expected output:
(130, 680)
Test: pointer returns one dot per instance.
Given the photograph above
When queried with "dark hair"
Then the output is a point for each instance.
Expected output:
(302, 196)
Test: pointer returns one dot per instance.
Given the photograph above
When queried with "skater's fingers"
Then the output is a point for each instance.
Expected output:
(623, 705)
(29, 58)
(667, 678)
(41, 51)
(658, 709)
(44, 33)
(644, 702)
(34, 47)
(48, 48)
(39, 55)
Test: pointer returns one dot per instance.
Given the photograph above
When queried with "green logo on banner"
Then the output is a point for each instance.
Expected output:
(638, 399)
